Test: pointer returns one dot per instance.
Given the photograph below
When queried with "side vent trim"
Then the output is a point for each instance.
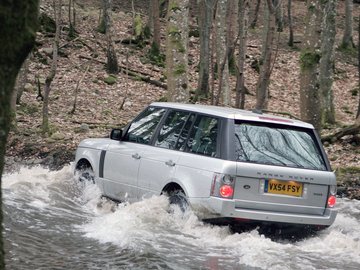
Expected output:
(101, 163)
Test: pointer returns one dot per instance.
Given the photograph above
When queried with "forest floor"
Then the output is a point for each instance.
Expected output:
(99, 105)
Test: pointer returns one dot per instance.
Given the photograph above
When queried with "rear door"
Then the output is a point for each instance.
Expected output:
(159, 163)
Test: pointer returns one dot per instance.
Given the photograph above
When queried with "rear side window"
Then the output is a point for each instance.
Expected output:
(144, 126)
(203, 137)
(277, 145)
(170, 131)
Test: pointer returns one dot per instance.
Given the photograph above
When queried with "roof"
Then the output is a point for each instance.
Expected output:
(232, 113)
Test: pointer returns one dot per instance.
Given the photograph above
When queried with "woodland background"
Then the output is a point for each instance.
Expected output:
(106, 97)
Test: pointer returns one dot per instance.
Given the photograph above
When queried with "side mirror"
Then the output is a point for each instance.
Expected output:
(116, 134)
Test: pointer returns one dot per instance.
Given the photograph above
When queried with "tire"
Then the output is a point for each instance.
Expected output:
(178, 198)
(85, 174)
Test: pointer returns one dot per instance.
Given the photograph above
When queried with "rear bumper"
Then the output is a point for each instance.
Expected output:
(221, 208)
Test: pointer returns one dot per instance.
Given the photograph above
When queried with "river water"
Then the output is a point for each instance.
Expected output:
(53, 223)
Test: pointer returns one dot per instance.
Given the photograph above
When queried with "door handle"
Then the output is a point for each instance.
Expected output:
(170, 163)
(136, 156)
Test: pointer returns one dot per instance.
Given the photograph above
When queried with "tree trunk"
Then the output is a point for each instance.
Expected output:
(205, 21)
(71, 33)
(51, 75)
(279, 15)
(17, 31)
(291, 28)
(221, 54)
(240, 79)
(358, 111)
(18, 90)
(256, 14)
(156, 20)
(22, 80)
(232, 24)
(347, 41)
(112, 61)
(262, 94)
(327, 61)
(177, 50)
(112, 65)
(309, 61)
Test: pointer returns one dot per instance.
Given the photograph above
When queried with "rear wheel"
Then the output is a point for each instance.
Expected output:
(178, 198)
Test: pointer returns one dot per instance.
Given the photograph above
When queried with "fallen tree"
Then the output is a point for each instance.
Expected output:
(351, 130)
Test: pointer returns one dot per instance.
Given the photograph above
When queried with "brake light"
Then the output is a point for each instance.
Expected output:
(332, 196)
(223, 186)
(331, 201)
(226, 191)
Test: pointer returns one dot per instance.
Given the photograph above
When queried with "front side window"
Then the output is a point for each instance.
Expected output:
(144, 126)
(277, 145)
(170, 131)
(203, 137)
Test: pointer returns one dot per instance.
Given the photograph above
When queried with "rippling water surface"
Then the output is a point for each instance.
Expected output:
(52, 223)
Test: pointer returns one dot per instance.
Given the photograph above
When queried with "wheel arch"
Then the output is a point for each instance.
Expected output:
(83, 163)
(173, 186)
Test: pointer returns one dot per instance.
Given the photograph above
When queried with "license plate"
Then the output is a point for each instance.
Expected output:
(290, 188)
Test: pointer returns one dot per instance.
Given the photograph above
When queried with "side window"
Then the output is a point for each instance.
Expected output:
(170, 131)
(143, 127)
(203, 137)
(184, 133)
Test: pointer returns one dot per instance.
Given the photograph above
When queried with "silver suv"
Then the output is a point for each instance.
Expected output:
(228, 165)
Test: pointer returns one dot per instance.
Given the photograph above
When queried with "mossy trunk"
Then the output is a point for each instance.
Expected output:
(328, 9)
(112, 65)
(309, 62)
(262, 93)
(205, 20)
(177, 50)
(240, 79)
(18, 20)
(50, 77)
(347, 41)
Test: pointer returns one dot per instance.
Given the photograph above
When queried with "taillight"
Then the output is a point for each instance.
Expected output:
(332, 196)
(226, 191)
(331, 201)
(223, 185)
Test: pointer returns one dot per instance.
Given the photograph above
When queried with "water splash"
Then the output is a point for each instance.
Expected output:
(49, 219)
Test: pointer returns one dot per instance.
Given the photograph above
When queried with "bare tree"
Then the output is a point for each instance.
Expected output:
(53, 68)
(17, 31)
(326, 68)
(177, 50)
(156, 20)
(205, 20)
(112, 65)
(72, 32)
(256, 14)
(358, 111)
(279, 15)
(291, 28)
(222, 53)
(309, 61)
(347, 40)
(243, 28)
(262, 94)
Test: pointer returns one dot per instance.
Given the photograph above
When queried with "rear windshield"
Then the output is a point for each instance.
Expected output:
(277, 145)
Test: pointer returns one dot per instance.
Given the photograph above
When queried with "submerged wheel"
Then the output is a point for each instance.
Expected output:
(178, 198)
(85, 173)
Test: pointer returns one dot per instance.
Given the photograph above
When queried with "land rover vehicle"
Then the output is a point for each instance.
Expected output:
(226, 164)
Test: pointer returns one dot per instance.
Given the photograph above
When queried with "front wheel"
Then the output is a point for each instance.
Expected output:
(85, 174)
